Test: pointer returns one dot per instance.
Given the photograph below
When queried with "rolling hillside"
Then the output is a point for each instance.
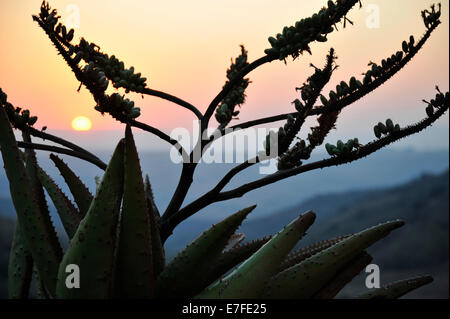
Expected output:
(420, 247)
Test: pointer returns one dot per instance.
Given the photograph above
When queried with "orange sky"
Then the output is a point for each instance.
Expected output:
(184, 47)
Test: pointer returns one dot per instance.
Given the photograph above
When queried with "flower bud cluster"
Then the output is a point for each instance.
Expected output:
(294, 40)
(226, 110)
(18, 117)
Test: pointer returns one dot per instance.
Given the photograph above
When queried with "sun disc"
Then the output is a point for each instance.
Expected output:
(81, 123)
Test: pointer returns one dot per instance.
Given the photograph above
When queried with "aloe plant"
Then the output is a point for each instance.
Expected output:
(117, 235)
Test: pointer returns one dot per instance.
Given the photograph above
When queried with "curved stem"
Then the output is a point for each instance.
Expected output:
(61, 150)
(160, 134)
(188, 170)
(174, 99)
(46, 136)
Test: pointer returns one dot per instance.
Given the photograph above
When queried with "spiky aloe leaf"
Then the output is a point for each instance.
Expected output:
(303, 253)
(308, 277)
(41, 293)
(158, 253)
(249, 279)
(150, 197)
(38, 235)
(92, 246)
(344, 276)
(232, 258)
(183, 276)
(134, 260)
(80, 192)
(31, 166)
(234, 241)
(69, 214)
(397, 289)
(20, 267)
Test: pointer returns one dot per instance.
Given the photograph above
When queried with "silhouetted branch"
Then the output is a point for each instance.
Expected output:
(350, 99)
(46, 136)
(158, 133)
(337, 13)
(174, 99)
(362, 152)
(60, 150)
(215, 195)
(98, 93)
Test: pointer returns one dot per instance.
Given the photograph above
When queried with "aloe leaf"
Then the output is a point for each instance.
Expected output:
(183, 276)
(150, 198)
(80, 192)
(234, 241)
(135, 265)
(231, 258)
(31, 166)
(308, 277)
(92, 247)
(303, 253)
(249, 279)
(398, 289)
(20, 267)
(158, 253)
(38, 237)
(344, 276)
(69, 214)
(41, 293)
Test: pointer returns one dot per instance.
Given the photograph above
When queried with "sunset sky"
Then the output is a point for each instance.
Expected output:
(184, 48)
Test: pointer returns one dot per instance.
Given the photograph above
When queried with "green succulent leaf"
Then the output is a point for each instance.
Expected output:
(135, 277)
(232, 258)
(41, 293)
(344, 276)
(20, 267)
(308, 277)
(398, 289)
(249, 279)
(150, 198)
(38, 234)
(92, 247)
(32, 166)
(68, 213)
(80, 192)
(303, 253)
(184, 275)
(158, 253)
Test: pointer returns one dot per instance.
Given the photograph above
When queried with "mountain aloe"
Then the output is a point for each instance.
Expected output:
(117, 235)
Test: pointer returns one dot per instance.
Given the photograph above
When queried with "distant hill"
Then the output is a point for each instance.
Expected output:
(420, 247)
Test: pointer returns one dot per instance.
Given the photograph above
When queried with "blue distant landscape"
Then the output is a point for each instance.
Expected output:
(391, 184)
(385, 168)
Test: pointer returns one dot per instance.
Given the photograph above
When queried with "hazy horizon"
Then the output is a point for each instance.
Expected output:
(434, 138)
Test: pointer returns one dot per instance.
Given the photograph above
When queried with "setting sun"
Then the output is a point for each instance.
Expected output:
(81, 123)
